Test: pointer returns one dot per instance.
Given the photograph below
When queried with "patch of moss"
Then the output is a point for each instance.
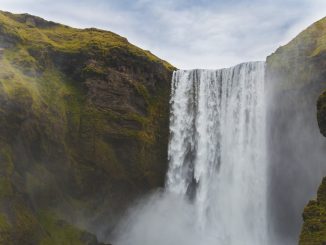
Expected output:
(314, 216)
(142, 90)
(94, 70)
(23, 60)
(5, 187)
(59, 232)
(25, 225)
(5, 229)
(67, 39)
(6, 162)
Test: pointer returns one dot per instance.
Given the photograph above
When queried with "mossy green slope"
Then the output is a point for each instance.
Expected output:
(83, 128)
(300, 62)
(314, 216)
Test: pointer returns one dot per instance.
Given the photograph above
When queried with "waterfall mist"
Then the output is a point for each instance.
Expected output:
(217, 179)
(296, 152)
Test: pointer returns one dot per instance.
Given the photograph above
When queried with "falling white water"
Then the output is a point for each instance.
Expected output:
(217, 150)
(216, 183)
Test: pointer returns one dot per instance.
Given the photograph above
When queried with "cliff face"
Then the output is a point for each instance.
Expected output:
(296, 75)
(314, 228)
(83, 129)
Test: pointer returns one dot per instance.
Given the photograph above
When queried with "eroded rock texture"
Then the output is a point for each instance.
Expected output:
(83, 129)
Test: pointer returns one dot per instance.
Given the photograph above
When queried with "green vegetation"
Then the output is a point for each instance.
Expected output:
(304, 52)
(48, 35)
(60, 232)
(4, 230)
(314, 216)
(295, 78)
(83, 128)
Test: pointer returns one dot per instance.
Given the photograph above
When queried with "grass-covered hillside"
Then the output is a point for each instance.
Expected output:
(302, 61)
(83, 129)
(314, 216)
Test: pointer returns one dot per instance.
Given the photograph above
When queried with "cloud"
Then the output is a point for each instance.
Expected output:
(188, 33)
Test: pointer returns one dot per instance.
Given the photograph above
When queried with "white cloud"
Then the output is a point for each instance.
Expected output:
(204, 34)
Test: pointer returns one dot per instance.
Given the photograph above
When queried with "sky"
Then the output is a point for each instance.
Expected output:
(187, 33)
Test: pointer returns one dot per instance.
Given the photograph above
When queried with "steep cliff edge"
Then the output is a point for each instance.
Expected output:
(83, 129)
(296, 76)
(314, 228)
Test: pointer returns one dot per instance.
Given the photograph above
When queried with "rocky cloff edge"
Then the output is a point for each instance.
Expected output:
(83, 129)
(314, 215)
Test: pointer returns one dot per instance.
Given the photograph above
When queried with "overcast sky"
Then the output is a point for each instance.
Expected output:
(188, 34)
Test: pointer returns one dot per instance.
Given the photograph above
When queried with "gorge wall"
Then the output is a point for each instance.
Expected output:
(296, 75)
(314, 215)
(84, 119)
(83, 129)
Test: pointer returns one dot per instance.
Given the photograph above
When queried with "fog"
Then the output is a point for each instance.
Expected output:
(163, 218)
(295, 166)
(217, 161)
(296, 152)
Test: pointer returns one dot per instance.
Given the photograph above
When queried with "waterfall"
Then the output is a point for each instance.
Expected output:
(217, 152)
(216, 183)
